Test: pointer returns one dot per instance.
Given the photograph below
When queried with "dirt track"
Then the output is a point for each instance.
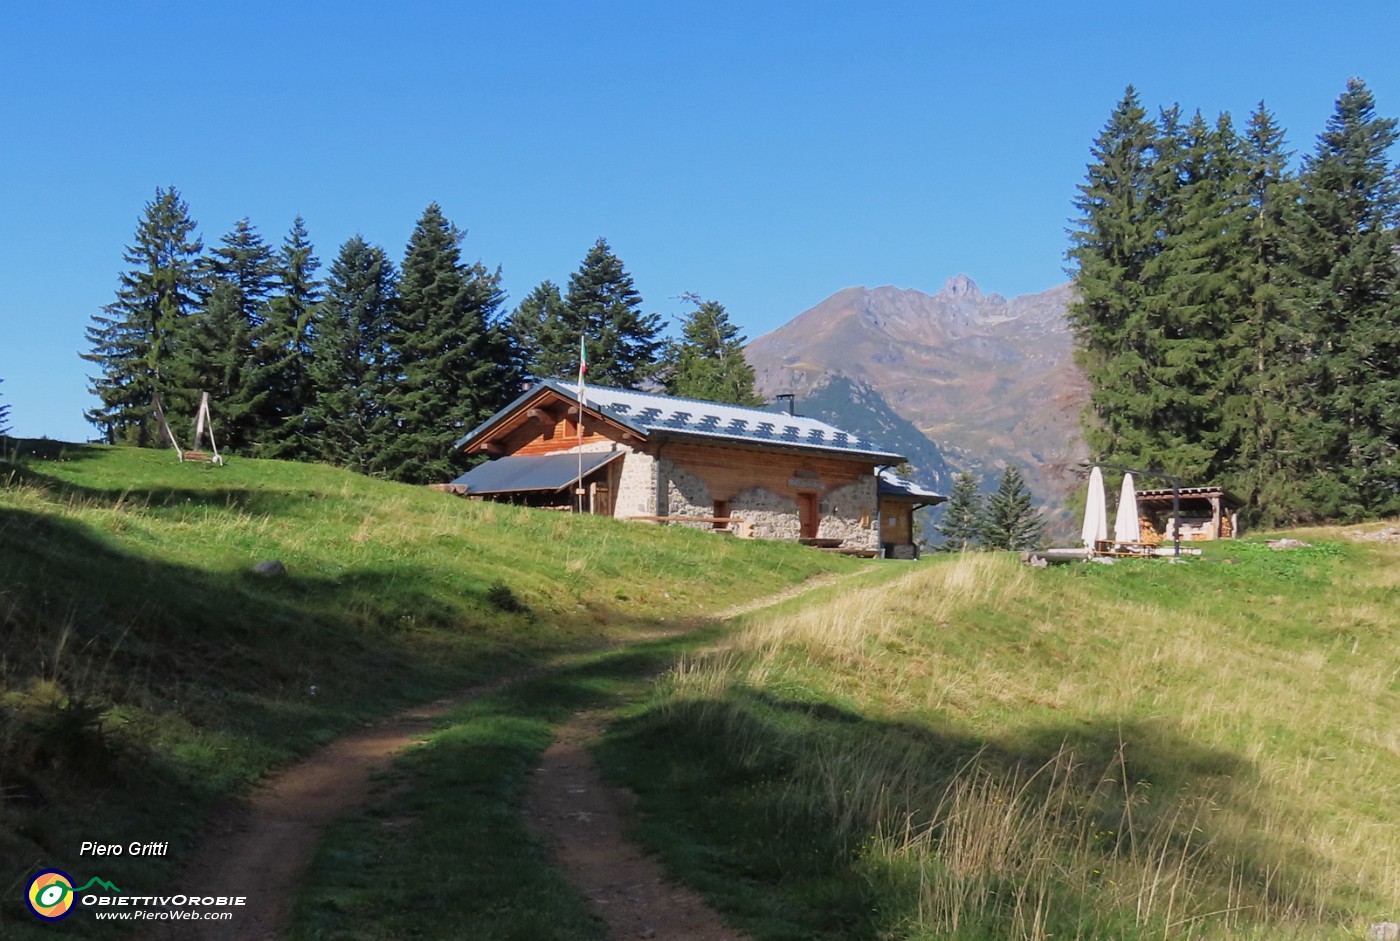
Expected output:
(584, 823)
(261, 848)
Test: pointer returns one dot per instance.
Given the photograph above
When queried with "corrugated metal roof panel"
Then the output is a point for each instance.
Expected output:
(518, 474)
(891, 484)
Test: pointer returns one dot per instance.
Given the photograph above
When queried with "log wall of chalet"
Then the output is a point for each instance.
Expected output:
(729, 471)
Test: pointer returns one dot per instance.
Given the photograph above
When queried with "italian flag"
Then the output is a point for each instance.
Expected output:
(582, 368)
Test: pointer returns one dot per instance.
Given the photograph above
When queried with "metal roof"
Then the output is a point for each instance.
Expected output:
(547, 472)
(890, 484)
(1165, 493)
(650, 413)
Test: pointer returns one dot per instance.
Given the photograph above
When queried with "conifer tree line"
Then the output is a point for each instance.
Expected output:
(1004, 519)
(1238, 316)
(368, 365)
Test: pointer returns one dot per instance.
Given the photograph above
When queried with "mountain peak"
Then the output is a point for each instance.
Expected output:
(990, 380)
(960, 285)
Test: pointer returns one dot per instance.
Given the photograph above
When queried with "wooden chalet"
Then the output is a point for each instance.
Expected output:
(644, 456)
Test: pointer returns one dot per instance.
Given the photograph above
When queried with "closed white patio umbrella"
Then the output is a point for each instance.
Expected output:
(1125, 524)
(1095, 526)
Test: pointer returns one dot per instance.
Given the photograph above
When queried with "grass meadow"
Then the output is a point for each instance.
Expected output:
(959, 748)
(147, 674)
(981, 750)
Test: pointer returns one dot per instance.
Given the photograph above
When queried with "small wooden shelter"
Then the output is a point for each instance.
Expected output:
(1206, 512)
(899, 498)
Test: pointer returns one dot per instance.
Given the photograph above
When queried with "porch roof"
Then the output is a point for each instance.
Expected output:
(522, 473)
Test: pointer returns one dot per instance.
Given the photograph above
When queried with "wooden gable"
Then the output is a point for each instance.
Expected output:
(548, 423)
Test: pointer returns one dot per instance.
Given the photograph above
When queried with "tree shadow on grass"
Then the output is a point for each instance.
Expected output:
(135, 692)
(191, 485)
(21, 451)
(468, 782)
(774, 807)
(256, 501)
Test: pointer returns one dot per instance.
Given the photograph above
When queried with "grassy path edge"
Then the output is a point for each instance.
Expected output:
(260, 847)
(287, 842)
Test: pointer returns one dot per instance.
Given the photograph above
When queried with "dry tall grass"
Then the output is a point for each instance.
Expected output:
(1223, 763)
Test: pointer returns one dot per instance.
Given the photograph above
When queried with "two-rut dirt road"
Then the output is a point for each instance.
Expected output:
(260, 848)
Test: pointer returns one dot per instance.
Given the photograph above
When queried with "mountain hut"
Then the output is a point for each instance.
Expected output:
(749, 472)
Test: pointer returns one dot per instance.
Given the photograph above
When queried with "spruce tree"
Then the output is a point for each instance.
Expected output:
(539, 339)
(119, 348)
(1183, 293)
(603, 307)
(962, 514)
(1201, 290)
(1157, 251)
(708, 362)
(349, 367)
(214, 349)
(1241, 325)
(1008, 520)
(133, 340)
(290, 330)
(1113, 250)
(1348, 313)
(449, 352)
(4, 417)
(228, 352)
(1259, 407)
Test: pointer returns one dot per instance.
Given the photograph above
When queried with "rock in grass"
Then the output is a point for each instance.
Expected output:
(270, 568)
(1384, 931)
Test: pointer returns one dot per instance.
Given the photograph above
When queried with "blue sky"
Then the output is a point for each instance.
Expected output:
(761, 154)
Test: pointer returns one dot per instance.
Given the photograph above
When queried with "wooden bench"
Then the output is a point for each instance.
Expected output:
(1111, 548)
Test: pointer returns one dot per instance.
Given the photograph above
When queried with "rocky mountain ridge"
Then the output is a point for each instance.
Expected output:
(988, 379)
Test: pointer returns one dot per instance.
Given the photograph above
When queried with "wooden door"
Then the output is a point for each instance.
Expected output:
(602, 499)
(896, 522)
(808, 514)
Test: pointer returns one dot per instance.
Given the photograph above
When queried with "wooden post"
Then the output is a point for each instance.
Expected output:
(1176, 517)
(1215, 517)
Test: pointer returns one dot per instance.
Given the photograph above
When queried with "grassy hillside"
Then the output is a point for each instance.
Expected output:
(986, 751)
(146, 671)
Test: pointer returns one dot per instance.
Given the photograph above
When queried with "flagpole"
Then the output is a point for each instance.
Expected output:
(582, 368)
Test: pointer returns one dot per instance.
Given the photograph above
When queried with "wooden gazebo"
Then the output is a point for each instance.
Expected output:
(1206, 512)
